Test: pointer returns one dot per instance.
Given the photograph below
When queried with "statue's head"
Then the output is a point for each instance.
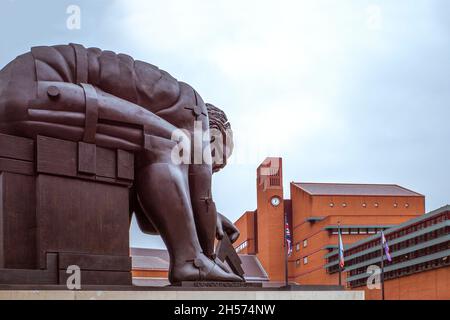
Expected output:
(221, 137)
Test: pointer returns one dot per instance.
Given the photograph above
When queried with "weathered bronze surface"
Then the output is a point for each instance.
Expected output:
(86, 140)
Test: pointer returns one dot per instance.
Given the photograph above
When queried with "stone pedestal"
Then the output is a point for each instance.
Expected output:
(181, 295)
(63, 203)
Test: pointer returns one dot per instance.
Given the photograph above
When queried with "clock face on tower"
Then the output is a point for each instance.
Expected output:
(275, 201)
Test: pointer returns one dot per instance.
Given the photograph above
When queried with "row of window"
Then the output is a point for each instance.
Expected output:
(242, 246)
(429, 265)
(356, 230)
(399, 259)
(365, 205)
(400, 233)
(297, 248)
(400, 246)
(298, 262)
(297, 245)
(352, 231)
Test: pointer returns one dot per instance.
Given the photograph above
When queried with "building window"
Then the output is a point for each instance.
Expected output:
(395, 205)
(305, 260)
(305, 243)
(331, 204)
(297, 263)
(364, 205)
(297, 246)
(344, 205)
(242, 246)
(407, 205)
(376, 205)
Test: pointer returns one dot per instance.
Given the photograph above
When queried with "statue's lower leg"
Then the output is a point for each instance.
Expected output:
(203, 206)
(164, 195)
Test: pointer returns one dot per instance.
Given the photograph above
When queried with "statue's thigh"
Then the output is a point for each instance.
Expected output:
(112, 109)
(120, 118)
(52, 109)
(85, 113)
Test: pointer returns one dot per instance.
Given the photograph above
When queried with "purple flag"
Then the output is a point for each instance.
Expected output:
(341, 251)
(288, 237)
(385, 246)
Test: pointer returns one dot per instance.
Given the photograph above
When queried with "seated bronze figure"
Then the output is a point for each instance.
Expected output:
(99, 97)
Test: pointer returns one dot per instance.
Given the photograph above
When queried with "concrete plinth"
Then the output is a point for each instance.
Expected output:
(179, 295)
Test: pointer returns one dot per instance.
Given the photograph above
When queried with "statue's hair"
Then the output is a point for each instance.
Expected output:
(218, 120)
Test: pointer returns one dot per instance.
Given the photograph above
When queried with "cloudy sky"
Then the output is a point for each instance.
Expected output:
(343, 90)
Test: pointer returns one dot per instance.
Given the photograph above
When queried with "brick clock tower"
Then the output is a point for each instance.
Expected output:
(270, 218)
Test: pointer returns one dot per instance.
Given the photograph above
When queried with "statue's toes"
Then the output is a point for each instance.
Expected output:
(218, 274)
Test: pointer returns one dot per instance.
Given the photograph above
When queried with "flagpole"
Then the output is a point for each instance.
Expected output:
(339, 254)
(286, 270)
(382, 266)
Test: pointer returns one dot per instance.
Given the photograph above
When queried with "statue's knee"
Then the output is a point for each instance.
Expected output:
(156, 150)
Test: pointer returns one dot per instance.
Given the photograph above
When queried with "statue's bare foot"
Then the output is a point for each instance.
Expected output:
(201, 269)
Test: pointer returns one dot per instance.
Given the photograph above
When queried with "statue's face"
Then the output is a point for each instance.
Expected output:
(221, 137)
(221, 147)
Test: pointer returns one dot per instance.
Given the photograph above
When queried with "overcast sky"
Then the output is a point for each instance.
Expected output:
(345, 91)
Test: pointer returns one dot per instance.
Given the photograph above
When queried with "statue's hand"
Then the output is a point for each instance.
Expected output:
(225, 225)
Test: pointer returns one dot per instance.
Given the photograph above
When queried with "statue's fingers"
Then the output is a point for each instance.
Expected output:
(219, 231)
(229, 226)
(219, 235)
(234, 236)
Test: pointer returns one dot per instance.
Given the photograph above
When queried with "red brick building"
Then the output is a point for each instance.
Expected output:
(420, 266)
(419, 243)
(314, 211)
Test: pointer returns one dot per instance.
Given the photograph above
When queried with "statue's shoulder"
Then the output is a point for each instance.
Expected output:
(154, 88)
(157, 86)
(113, 72)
